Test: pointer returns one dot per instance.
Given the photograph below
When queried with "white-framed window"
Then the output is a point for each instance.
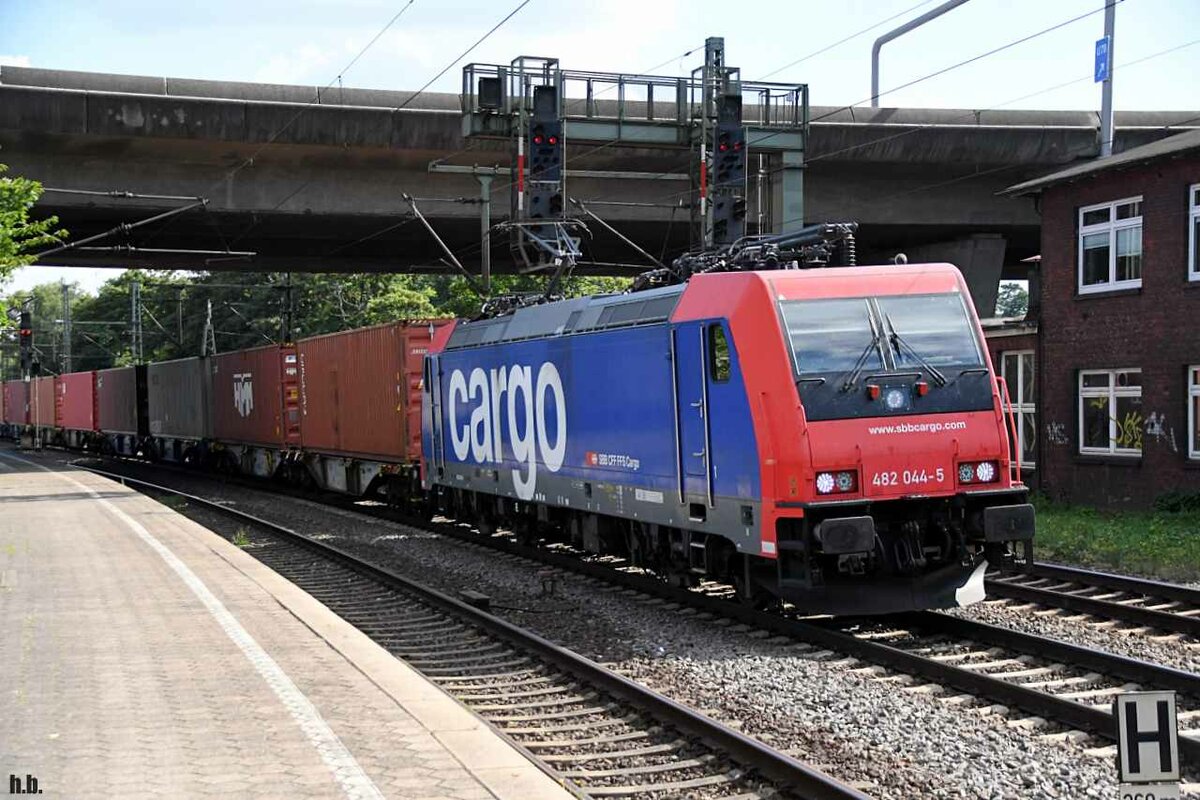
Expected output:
(1194, 232)
(1110, 246)
(1194, 412)
(1016, 366)
(1111, 421)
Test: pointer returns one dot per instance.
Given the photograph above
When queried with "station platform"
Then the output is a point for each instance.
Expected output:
(141, 655)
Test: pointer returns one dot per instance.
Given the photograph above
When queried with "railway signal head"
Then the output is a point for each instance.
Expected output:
(731, 155)
(26, 341)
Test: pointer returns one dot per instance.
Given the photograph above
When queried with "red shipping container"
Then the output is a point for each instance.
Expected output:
(42, 402)
(248, 391)
(16, 412)
(77, 401)
(118, 398)
(360, 390)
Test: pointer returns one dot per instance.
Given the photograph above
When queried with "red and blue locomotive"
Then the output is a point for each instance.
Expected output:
(835, 437)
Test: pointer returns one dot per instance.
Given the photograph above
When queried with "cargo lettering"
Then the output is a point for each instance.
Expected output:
(510, 395)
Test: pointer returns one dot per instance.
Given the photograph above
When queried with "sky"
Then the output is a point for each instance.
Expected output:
(311, 42)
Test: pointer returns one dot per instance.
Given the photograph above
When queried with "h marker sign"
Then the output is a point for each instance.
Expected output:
(1147, 742)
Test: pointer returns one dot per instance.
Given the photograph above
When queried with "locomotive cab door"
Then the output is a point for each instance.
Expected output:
(433, 393)
(691, 404)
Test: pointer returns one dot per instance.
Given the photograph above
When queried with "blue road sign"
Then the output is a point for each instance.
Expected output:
(1103, 62)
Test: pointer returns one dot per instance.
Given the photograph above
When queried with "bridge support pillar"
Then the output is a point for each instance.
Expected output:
(789, 194)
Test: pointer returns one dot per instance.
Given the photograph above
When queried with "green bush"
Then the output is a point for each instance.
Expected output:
(1162, 543)
(1177, 501)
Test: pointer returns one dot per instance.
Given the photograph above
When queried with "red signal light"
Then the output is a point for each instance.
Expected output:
(722, 147)
(553, 140)
(26, 332)
(537, 139)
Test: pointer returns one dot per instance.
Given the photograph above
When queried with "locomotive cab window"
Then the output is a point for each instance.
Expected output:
(920, 351)
(718, 354)
(828, 335)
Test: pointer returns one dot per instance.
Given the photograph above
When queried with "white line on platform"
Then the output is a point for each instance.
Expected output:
(345, 768)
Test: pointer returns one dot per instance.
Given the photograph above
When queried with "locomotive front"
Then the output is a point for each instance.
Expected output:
(904, 444)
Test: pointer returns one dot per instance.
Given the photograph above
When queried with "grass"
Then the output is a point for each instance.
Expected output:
(174, 503)
(1156, 544)
(241, 537)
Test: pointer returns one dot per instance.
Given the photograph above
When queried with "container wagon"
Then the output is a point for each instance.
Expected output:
(121, 409)
(179, 409)
(76, 409)
(42, 407)
(16, 407)
(255, 408)
(360, 407)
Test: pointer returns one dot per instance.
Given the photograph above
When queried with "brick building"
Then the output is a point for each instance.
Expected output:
(1117, 389)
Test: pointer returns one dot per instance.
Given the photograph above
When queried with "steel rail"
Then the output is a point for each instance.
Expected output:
(1109, 609)
(1110, 664)
(1124, 583)
(768, 762)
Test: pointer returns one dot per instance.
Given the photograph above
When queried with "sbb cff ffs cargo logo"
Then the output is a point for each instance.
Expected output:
(510, 395)
(243, 393)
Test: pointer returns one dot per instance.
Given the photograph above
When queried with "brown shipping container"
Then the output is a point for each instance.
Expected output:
(43, 402)
(360, 390)
(117, 400)
(77, 401)
(248, 395)
(177, 398)
(15, 410)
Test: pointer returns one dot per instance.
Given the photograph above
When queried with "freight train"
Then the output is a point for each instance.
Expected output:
(835, 438)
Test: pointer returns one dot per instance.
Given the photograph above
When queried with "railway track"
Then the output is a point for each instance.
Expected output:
(1163, 606)
(599, 733)
(1038, 680)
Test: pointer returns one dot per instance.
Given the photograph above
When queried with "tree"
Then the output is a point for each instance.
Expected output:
(21, 236)
(1012, 300)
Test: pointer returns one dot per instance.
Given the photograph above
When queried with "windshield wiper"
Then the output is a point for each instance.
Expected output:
(901, 346)
(875, 344)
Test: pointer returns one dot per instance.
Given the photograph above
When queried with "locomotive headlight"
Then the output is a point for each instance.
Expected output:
(894, 399)
(845, 481)
(985, 471)
(965, 473)
(825, 483)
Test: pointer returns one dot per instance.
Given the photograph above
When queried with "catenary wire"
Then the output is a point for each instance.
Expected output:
(972, 114)
(233, 171)
(464, 54)
(504, 185)
(934, 74)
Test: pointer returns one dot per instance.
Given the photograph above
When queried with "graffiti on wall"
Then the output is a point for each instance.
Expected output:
(1129, 430)
(1056, 433)
(1162, 433)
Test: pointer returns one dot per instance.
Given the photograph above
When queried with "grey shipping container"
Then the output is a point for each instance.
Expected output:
(178, 398)
(120, 393)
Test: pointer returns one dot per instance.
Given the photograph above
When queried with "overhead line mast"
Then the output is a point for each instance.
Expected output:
(712, 114)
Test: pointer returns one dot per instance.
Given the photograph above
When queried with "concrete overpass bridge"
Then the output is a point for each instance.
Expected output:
(323, 191)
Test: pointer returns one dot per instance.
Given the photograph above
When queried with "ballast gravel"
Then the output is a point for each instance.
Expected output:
(892, 740)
